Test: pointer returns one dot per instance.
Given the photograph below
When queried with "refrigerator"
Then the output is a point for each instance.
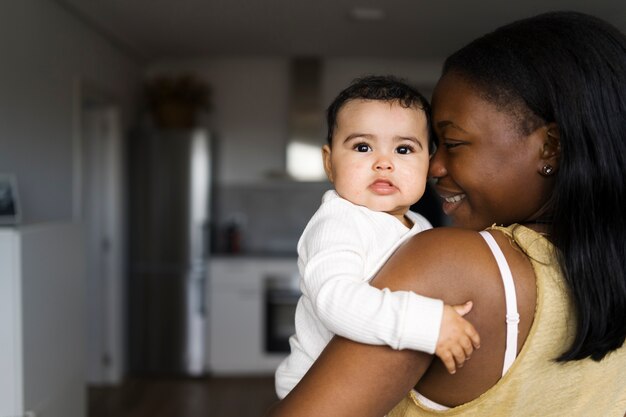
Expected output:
(170, 174)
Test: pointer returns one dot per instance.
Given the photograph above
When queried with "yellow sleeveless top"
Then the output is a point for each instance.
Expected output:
(536, 385)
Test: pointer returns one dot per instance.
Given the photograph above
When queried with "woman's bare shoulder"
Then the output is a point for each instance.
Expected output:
(431, 239)
(436, 260)
(444, 243)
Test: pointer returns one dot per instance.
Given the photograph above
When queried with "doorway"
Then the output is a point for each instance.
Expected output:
(99, 207)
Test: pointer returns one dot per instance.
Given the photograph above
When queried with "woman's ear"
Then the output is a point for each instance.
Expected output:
(550, 151)
(328, 166)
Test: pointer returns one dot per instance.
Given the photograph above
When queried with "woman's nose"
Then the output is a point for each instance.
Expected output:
(437, 167)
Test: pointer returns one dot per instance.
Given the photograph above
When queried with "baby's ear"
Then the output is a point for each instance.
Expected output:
(328, 165)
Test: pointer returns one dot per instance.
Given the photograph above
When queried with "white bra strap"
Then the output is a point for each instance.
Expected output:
(512, 316)
(428, 403)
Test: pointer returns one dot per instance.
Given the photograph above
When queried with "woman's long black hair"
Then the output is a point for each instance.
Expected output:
(570, 68)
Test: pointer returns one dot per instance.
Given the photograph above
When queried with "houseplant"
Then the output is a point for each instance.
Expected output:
(174, 101)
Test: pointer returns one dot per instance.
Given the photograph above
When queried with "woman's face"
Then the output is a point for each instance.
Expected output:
(486, 170)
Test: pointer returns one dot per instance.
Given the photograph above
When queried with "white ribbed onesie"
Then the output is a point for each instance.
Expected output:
(340, 250)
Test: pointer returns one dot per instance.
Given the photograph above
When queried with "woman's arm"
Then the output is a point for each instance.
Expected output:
(351, 379)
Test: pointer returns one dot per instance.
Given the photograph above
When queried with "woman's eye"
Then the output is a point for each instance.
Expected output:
(362, 147)
(404, 150)
(450, 145)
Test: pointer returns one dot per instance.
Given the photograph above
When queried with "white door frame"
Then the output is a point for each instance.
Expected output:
(98, 205)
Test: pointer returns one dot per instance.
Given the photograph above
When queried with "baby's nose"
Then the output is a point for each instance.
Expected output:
(383, 164)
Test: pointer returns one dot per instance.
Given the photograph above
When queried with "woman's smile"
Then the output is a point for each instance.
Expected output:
(450, 204)
(451, 201)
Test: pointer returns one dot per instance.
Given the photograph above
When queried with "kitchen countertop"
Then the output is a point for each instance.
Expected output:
(256, 254)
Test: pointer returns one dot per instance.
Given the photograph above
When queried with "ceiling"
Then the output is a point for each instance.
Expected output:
(157, 30)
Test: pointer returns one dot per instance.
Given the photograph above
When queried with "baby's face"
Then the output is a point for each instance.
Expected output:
(379, 155)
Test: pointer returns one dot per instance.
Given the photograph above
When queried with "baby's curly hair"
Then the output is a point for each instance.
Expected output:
(381, 88)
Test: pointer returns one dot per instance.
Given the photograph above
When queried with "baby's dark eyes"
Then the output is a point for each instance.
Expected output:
(404, 150)
(362, 147)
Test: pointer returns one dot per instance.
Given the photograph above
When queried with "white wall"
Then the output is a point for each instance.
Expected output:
(251, 104)
(53, 314)
(11, 387)
(44, 51)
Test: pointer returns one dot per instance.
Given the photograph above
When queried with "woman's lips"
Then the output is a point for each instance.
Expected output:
(383, 187)
(451, 201)
(454, 198)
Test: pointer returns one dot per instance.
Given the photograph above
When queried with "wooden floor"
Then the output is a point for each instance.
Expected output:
(206, 397)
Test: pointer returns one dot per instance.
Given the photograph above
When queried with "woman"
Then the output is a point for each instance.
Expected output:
(532, 135)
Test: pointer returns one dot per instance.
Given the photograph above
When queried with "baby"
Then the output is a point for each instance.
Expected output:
(377, 159)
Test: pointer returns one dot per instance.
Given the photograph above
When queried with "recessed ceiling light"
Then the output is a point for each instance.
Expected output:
(369, 14)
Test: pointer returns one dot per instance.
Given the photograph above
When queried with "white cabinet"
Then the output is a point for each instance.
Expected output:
(42, 350)
(236, 301)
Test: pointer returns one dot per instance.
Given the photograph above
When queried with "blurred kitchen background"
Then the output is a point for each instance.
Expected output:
(164, 159)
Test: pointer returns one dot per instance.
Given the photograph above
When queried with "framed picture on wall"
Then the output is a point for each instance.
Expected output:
(9, 204)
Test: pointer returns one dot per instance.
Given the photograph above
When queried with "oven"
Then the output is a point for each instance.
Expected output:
(281, 296)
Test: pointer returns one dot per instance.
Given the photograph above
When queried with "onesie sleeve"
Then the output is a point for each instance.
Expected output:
(332, 252)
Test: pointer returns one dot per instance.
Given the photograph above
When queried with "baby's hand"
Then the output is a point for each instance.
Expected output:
(457, 337)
